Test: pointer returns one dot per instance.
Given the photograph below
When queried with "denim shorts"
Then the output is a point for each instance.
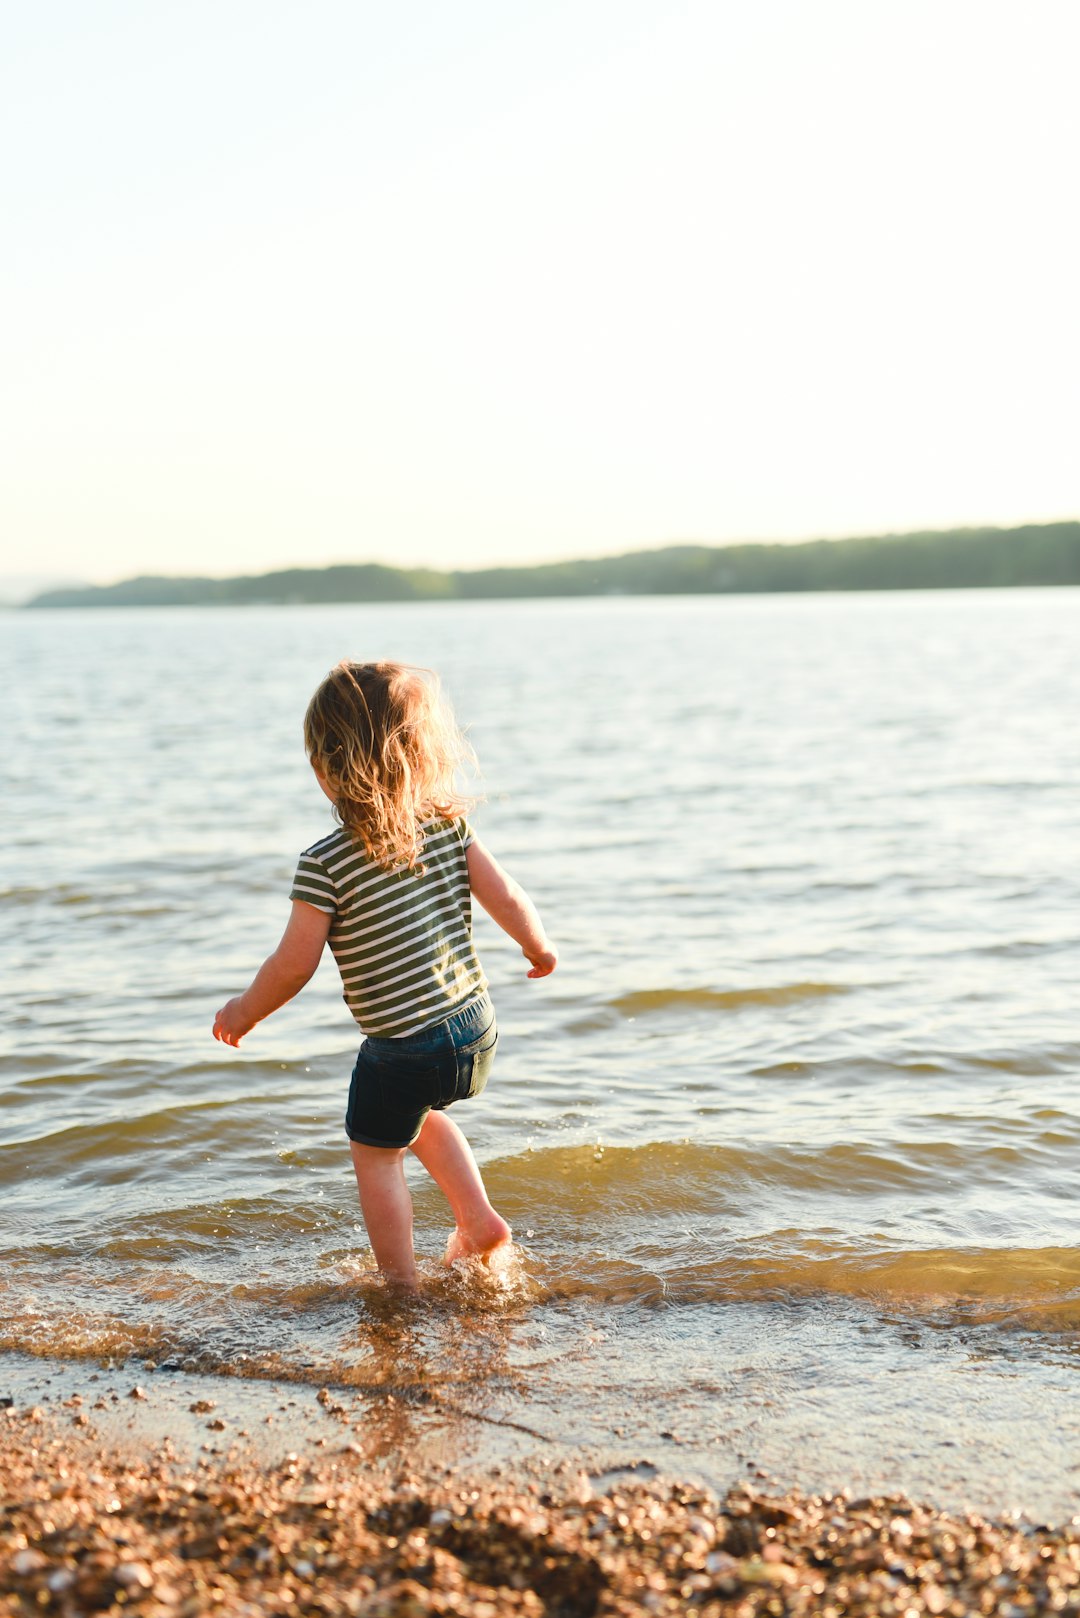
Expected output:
(396, 1082)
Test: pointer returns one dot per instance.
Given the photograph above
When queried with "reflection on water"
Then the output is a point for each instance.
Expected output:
(808, 1064)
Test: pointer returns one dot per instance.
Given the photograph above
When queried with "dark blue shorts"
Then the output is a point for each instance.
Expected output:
(396, 1082)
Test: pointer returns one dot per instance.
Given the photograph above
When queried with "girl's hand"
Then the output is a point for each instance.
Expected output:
(230, 1024)
(544, 962)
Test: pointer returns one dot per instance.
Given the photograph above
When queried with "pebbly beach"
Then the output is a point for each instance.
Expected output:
(175, 1496)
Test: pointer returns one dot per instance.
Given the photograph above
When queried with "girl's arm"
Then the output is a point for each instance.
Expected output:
(507, 903)
(281, 975)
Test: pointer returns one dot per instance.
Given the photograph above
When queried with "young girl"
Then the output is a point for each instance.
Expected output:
(391, 891)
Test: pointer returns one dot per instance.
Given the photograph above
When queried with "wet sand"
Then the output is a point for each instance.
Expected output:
(175, 1496)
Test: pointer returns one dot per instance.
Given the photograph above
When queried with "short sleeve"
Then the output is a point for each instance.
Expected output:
(465, 832)
(314, 885)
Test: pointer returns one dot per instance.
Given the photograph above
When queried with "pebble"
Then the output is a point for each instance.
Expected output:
(702, 1528)
(26, 1562)
(154, 1539)
(133, 1575)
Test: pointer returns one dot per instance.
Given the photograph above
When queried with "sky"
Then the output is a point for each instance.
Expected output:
(454, 284)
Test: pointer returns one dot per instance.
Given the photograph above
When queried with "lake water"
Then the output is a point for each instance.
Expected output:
(790, 1140)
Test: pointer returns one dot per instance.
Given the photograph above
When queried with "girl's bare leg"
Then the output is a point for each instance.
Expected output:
(387, 1209)
(448, 1158)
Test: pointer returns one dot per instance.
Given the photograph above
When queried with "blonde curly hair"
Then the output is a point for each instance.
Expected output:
(385, 742)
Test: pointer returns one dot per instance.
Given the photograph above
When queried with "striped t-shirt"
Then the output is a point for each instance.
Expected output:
(402, 940)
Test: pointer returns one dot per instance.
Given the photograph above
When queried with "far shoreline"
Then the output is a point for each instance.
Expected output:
(610, 597)
(1043, 555)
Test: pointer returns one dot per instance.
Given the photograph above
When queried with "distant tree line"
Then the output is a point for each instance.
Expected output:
(959, 558)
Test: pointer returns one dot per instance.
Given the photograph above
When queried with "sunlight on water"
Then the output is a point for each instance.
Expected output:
(812, 1045)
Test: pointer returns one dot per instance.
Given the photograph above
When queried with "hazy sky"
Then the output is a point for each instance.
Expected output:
(455, 281)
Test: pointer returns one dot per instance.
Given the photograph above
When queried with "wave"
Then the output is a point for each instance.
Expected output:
(641, 1001)
(280, 1281)
(954, 1162)
(602, 1182)
(1036, 1289)
(306, 1328)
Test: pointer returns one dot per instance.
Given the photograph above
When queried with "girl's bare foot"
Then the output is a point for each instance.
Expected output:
(481, 1241)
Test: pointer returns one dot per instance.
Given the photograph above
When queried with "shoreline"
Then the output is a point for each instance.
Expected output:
(133, 1492)
(1026, 555)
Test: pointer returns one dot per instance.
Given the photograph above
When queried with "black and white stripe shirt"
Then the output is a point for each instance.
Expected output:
(402, 940)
